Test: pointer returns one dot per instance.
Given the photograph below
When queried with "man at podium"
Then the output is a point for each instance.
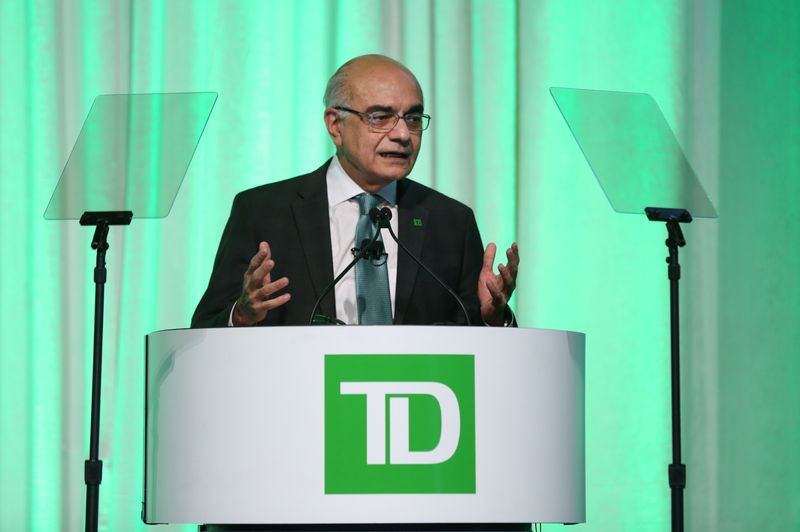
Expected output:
(285, 242)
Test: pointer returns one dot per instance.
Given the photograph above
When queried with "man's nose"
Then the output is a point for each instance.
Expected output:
(400, 131)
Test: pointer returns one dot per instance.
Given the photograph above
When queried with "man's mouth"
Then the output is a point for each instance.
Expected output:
(394, 154)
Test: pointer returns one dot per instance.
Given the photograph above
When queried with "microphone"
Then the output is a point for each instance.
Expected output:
(381, 217)
(374, 249)
(368, 249)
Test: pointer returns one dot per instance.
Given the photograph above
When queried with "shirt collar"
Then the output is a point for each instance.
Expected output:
(341, 186)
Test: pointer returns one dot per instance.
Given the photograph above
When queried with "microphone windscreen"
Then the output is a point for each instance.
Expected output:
(380, 217)
(374, 215)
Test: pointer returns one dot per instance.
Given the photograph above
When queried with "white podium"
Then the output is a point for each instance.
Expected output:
(333, 425)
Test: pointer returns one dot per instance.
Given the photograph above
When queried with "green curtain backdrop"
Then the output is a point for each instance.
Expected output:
(726, 74)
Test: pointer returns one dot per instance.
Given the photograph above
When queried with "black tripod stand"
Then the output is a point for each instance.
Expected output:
(675, 239)
(93, 467)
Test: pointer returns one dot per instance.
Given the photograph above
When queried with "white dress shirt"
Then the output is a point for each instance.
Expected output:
(343, 213)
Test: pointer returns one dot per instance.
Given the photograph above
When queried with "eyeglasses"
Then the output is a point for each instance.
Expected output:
(385, 121)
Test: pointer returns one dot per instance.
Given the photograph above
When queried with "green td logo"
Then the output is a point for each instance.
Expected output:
(399, 424)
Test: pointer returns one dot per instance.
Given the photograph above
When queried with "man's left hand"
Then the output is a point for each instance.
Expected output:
(494, 290)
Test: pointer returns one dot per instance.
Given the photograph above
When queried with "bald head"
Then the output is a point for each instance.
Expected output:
(347, 79)
(365, 88)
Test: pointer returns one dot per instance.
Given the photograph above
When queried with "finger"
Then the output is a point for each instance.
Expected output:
(498, 297)
(270, 288)
(512, 265)
(262, 253)
(509, 279)
(512, 253)
(265, 302)
(262, 274)
(275, 302)
(488, 256)
(513, 256)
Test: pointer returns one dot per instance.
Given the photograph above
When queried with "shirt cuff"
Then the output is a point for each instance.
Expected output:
(509, 320)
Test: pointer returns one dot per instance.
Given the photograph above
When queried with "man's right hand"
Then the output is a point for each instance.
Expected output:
(258, 288)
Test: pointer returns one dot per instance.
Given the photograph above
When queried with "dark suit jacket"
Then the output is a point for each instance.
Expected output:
(292, 216)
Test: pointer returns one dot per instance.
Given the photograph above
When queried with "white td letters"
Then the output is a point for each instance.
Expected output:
(399, 452)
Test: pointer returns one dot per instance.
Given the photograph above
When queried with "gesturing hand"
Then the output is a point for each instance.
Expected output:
(494, 290)
(258, 288)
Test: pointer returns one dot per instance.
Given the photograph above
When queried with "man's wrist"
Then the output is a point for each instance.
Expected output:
(507, 319)
(238, 319)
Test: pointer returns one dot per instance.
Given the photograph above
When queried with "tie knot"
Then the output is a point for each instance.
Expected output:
(367, 202)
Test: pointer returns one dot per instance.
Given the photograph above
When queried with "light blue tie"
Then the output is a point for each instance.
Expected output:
(372, 276)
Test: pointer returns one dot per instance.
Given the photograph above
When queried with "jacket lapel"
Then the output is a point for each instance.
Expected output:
(411, 232)
(310, 210)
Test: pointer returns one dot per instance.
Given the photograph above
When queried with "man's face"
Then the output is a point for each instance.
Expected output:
(373, 159)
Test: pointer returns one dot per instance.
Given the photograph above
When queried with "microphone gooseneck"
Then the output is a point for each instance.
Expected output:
(382, 217)
(364, 251)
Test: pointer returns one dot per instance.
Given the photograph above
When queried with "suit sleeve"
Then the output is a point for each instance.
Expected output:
(237, 246)
(471, 264)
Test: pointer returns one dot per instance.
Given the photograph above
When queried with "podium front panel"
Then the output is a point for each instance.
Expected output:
(370, 424)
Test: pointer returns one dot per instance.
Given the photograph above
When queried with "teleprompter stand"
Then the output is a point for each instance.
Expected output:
(131, 155)
(676, 470)
(637, 161)
(93, 467)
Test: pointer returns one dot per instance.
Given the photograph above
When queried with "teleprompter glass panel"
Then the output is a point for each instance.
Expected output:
(632, 151)
(131, 154)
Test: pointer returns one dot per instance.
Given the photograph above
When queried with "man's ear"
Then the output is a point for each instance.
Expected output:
(333, 123)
